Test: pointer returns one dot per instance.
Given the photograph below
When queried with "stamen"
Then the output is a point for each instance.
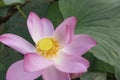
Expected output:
(45, 44)
(47, 47)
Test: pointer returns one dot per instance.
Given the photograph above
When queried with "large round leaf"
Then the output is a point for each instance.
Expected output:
(100, 19)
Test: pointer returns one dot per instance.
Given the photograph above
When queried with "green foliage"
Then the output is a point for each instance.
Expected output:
(38, 6)
(9, 2)
(100, 19)
(98, 65)
(2, 67)
(117, 74)
(2, 3)
(117, 68)
(54, 14)
(3, 11)
(94, 76)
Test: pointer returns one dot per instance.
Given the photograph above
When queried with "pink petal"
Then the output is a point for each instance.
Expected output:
(47, 26)
(16, 72)
(35, 62)
(80, 45)
(35, 26)
(17, 43)
(65, 30)
(52, 73)
(71, 64)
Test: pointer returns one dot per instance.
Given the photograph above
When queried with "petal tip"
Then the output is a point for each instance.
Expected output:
(92, 39)
(74, 18)
(32, 13)
(94, 42)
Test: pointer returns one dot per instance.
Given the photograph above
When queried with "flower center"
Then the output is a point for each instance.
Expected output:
(47, 47)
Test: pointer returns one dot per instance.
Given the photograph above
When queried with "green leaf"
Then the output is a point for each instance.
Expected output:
(2, 67)
(98, 65)
(100, 19)
(94, 76)
(117, 68)
(3, 11)
(2, 3)
(38, 6)
(54, 14)
(8, 2)
(117, 72)
(2, 75)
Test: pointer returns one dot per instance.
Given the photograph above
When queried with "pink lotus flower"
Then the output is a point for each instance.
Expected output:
(55, 55)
